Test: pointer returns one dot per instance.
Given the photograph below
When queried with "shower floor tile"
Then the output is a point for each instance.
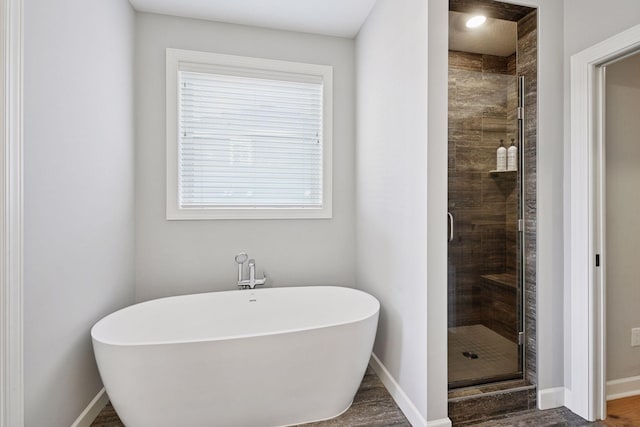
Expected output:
(496, 355)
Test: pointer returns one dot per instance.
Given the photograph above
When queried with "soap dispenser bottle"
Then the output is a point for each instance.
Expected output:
(501, 157)
(512, 156)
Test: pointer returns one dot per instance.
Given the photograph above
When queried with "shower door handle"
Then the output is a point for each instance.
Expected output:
(450, 226)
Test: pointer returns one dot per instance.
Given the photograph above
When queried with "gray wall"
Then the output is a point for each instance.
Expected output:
(180, 257)
(78, 195)
(549, 271)
(392, 186)
(622, 228)
(586, 23)
(437, 133)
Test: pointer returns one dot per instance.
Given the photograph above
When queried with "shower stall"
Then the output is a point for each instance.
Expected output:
(492, 73)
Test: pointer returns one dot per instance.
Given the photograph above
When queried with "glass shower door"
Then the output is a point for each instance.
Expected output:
(485, 208)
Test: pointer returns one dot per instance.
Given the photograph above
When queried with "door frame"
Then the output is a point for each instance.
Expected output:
(11, 235)
(585, 283)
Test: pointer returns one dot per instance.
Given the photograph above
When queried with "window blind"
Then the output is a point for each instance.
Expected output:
(247, 141)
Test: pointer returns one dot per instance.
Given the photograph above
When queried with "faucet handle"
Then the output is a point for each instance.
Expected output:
(261, 282)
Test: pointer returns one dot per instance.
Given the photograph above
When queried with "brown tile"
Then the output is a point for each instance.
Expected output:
(372, 406)
(371, 394)
(465, 61)
(466, 137)
(465, 189)
(495, 64)
(494, 125)
(527, 24)
(511, 65)
(493, 388)
(493, 9)
(559, 417)
(475, 159)
(481, 407)
(107, 418)
(381, 413)
(527, 67)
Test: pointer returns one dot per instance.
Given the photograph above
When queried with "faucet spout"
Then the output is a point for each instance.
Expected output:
(252, 273)
(251, 282)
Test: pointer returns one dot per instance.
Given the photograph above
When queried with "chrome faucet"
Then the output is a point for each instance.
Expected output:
(252, 282)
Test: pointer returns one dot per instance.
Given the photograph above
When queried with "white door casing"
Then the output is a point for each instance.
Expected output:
(11, 372)
(584, 290)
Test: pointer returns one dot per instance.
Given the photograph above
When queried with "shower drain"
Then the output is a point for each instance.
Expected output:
(469, 355)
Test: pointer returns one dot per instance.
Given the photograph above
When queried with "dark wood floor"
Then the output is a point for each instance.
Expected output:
(559, 417)
(623, 412)
(374, 407)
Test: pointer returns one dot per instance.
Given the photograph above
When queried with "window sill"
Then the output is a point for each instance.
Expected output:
(174, 214)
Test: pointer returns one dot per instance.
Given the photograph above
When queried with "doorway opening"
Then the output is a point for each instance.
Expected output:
(619, 201)
(586, 243)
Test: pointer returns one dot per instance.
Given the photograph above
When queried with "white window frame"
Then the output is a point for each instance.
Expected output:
(178, 59)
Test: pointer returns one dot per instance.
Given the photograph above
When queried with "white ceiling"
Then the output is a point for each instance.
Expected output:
(342, 18)
(494, 37)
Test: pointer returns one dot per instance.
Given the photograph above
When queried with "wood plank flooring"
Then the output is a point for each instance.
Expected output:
(558, 417)
(372, 407)
(623, 412)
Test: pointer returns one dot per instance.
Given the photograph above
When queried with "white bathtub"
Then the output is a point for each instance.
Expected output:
(254, 358)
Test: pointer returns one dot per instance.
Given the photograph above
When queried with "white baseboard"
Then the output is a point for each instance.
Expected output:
(625, 387)
(399, 396)
(443, 422)
(551, 398)
(92, 410)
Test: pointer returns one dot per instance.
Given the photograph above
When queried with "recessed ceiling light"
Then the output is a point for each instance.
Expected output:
(476, 21)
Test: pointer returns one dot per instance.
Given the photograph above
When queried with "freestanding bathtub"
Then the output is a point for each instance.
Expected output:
(252, 358)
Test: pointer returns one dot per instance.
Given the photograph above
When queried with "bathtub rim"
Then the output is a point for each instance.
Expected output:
(114, 343)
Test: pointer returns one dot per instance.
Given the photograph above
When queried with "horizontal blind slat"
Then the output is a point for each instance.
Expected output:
(191, 91)
(204, 117)
(266, 195)
(238, 104)
(207, 78)
(275, 149)
(248, 127)
(241, 168)
(250, 157)
(264, 142)
(222, 175)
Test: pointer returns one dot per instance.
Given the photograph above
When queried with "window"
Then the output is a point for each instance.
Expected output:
(247, 137)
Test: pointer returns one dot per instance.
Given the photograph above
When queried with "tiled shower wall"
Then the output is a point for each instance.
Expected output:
(482, 111)
(528, 67)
